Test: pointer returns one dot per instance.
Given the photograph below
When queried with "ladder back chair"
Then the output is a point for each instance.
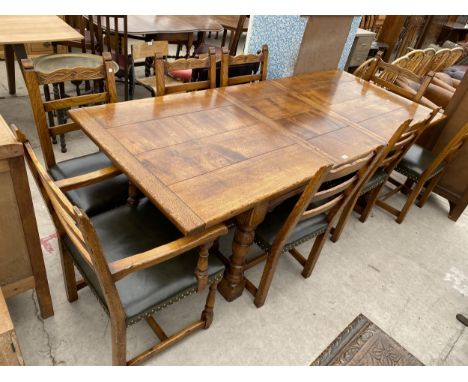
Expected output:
(397, 146)
(395, 79)
(243, 68)
(150, 267)
(80, 24)
(423, 170)
(87, 168)
(110, 34)
(298, 219)
(162, 66)
(147, 51)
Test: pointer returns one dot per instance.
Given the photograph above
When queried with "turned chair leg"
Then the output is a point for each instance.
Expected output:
(119, 342)
(207, 314)
(370, 202)
(68, 271)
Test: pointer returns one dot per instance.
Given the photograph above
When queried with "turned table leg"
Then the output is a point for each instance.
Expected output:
(232, 285)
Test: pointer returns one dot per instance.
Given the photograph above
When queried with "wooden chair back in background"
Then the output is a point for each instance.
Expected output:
(253, 65)
(162, 66)
(104, 80)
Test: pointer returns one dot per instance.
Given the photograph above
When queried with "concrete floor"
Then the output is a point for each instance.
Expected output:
(410, 279)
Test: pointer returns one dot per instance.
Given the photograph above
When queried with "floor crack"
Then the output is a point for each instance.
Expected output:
(41, 320)
(453, 345)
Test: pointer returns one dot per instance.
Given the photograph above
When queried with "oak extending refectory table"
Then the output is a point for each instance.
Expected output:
(210, 156)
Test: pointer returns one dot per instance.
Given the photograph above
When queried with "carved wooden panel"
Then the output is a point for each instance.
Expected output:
(363, 343)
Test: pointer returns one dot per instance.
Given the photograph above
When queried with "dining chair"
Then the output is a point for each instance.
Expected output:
(439, 60)
(110, 34)
(396, 79)
(51, 120)
(423, 170)
(133, 259)
(162, 66)
(147, 51)
(308, 214)
(399, 143)
(411, 60)
(243, 68)
(425, 64)
(236, 34)
(80, 24)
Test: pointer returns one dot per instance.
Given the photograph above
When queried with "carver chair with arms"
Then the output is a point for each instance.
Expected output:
(49, 117)
(133, 259)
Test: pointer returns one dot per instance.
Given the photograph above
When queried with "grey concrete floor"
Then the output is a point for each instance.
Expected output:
(410, 279)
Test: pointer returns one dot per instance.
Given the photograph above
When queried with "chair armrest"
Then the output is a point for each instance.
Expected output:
(87, 179)
(121, 268)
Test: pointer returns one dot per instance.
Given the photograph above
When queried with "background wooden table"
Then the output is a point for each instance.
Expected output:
(15, 31)
(171, 28)
(205, 157)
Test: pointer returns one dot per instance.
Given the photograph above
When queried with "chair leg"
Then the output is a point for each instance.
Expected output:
(371, 199)
(344, 216)
(267, 278)
(223, 40)
(314, 254)
(409, 201)
(207, 314)
(119, 342)
(68, 271)
(407, 186)
(427, 192)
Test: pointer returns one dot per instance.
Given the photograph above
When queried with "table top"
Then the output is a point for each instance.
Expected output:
(146, 24)
(24, 29)
(204, 157)
(230, 21)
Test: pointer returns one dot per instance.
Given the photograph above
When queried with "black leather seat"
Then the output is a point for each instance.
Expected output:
(378, 178)
(98, 197)
(416, 161)
(125, 231)
(305, 230)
